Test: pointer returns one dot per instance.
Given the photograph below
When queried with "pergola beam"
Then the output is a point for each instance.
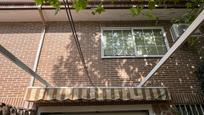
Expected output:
(194, 25)
(22, 65)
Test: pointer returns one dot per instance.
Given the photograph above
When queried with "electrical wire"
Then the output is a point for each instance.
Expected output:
(71, 23)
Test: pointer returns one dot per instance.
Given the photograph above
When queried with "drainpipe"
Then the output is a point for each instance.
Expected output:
(29, 105)
(40, 46)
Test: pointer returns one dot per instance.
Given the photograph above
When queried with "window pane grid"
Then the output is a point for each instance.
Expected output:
(134, 42)
(147, 40)
(144, 42)
(155, 42)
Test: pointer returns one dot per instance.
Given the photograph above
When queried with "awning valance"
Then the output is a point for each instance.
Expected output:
(97, 94)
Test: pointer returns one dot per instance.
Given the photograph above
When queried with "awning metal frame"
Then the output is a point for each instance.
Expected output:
(194, 25)
(178, 43)
(22, 65)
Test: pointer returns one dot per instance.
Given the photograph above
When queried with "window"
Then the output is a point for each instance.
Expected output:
(133, 42)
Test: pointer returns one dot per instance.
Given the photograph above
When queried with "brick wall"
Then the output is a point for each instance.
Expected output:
(61, 66)
(60, 63)
(21, 39)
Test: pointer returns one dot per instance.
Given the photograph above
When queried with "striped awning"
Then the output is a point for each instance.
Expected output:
(97, 94)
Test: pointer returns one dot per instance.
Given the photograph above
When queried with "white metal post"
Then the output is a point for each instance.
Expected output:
(22, 65)
(176, 45)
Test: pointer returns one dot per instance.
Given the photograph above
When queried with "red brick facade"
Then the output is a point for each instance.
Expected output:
(22, 40)
(60, 64)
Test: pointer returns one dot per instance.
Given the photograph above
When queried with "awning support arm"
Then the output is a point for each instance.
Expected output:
(40, 45)
(195, 24)
(22, 65)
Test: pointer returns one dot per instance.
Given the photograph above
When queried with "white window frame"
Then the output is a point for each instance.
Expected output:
(132, 28)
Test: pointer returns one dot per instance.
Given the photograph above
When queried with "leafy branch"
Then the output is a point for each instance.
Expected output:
(80, 4)
(135, 10)
(98, 10)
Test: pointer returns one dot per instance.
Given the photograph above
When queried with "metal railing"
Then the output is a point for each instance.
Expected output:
(197, 109)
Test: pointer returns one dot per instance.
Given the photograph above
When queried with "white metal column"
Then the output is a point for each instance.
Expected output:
(178, 43)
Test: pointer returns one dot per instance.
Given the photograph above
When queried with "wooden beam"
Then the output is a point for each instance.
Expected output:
(22, 65)
(195, 24)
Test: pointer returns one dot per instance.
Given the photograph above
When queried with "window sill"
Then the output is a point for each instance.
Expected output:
(131, 57)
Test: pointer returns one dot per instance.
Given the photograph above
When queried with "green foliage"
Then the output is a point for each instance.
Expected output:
(192, 41)
(135, 10)
(98, 10)
(150, 15)
(187, 17)
(151, 4)
(188, 5)
(112, 1)
(54, 3)
(200, 75)
(38, 2)
(191, 45)
(80, 4)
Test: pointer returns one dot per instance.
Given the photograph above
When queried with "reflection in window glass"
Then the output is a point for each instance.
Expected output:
(134, 42)
(118, 43)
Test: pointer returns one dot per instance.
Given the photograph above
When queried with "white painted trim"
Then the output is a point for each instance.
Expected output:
(144, 56)
(116, 28)
(37, 57)
(149, 27)
(176, 45)
(51, 109)
(132, 28)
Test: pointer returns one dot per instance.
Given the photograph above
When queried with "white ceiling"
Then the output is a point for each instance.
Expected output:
(85, 15)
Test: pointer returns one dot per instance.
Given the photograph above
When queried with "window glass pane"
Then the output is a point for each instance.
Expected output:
(138, 38)
(129, 47)
(141, 50)
(159, 38)
(151, 50)
(139, 41)
(107, 42)
(144, 42)
(161, 50)
(148, 37)
(117, 42)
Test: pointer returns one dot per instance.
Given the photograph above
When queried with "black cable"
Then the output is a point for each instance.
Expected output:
(71, 22)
